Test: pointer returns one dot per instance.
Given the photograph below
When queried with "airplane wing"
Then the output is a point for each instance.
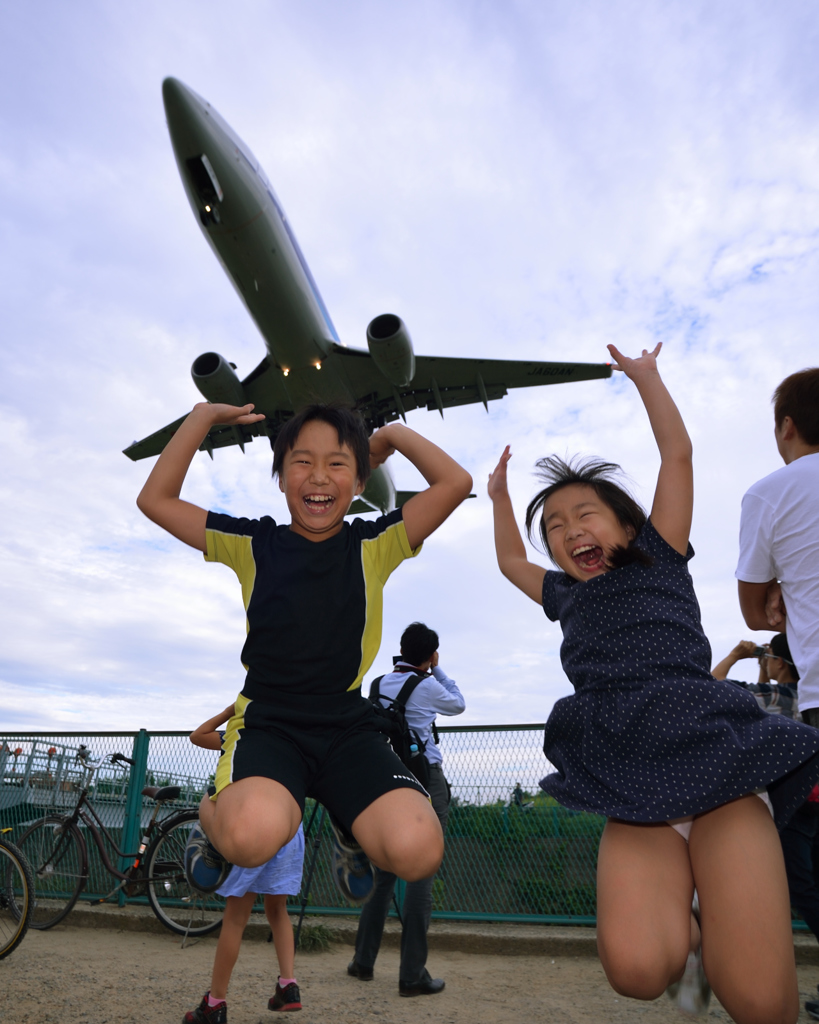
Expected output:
(218, 437)
(441, 382)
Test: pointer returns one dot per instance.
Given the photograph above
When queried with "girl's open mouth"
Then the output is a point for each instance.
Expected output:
(589, 557)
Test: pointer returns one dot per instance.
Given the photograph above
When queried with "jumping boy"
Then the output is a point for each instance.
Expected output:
(313, 597)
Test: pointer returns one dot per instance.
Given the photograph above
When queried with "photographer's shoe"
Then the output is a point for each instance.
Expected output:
(427, 986)
(205, 868)
(355, 970)
(352, 871)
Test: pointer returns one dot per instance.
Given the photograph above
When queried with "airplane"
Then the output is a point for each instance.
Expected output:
(245, 224)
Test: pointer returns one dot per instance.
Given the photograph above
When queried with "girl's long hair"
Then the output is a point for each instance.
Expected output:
(597, 474)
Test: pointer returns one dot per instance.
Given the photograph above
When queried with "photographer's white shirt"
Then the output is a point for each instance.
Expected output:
(779, 539)
(437, 695)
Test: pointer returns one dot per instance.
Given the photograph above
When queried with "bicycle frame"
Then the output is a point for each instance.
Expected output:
(85, 813)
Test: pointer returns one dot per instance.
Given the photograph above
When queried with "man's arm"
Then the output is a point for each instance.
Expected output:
(761, 605)
(159, 499)
(446, 698)
(449, 483)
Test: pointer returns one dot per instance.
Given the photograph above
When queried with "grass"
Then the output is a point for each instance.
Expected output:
(314, 938)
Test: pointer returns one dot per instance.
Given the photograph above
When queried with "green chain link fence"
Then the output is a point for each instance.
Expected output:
(512, 853)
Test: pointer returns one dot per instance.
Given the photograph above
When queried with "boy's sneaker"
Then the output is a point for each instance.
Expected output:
(287, 998)
(352, 871)
(206, 1014)
(205, 868)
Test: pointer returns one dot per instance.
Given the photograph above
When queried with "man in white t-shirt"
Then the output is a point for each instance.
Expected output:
(778, 568)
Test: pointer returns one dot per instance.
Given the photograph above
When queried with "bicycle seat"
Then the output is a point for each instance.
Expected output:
(162, 792)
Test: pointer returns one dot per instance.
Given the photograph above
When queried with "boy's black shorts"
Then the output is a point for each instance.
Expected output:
(327, 748)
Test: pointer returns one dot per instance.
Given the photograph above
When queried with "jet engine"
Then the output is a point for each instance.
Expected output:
(217, 382)
(391, 348)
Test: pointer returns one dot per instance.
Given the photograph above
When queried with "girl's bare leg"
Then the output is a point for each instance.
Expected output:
(644, 893)
(747, 943)
(275, 907)
(237, 913)
(250, 821)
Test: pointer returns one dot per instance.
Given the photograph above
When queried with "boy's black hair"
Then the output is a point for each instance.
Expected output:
(798, 397)
(349, 426)
(594, 473)
(780, 649)
(418, 643)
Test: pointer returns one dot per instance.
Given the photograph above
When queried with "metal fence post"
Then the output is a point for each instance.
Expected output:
(133, 801)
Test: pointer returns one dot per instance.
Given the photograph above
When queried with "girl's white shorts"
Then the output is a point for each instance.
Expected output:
(683, 825)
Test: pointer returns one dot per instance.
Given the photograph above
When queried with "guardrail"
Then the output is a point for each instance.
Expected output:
(512, 853)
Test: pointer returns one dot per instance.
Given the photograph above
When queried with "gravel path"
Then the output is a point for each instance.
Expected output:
(70, 975)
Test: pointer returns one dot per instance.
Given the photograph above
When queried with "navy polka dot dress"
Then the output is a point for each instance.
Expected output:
(649, 734)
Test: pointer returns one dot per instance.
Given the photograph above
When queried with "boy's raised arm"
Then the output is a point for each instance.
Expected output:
(449, 483)
(159, 499)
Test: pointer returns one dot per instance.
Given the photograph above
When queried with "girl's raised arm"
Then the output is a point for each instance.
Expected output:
(509, 546)
(673, 504)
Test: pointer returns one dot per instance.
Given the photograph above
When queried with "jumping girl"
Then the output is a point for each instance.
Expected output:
(677, 761)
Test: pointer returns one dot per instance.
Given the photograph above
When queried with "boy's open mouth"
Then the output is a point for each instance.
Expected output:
(317, 504)
(589, 557)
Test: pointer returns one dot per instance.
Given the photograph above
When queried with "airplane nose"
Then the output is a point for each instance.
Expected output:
(183, 108)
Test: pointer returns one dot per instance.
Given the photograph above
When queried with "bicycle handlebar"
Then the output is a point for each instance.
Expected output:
(122, 757)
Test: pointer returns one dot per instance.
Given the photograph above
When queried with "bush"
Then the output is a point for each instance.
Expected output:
(314, 938)
(536, 896)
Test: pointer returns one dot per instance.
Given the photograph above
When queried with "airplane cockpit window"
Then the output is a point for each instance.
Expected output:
(204, 180)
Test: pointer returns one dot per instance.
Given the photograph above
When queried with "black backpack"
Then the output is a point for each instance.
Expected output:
(405, 741)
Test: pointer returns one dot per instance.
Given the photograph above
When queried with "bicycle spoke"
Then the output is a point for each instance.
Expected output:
(179, 907)
(16, 897)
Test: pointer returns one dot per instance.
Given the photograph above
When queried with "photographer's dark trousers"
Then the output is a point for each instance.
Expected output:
(415, 911)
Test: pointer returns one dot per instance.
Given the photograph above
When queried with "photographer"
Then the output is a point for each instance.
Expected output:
(776, 689)
(435, 694)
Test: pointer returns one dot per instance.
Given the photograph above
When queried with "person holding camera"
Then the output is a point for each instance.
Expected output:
(776, 689)
(435, 694)
(776, 692)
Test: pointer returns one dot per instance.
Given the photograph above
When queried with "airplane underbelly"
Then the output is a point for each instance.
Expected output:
(262, 271)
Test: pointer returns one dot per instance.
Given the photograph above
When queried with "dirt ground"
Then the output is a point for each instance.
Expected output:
(100, 976)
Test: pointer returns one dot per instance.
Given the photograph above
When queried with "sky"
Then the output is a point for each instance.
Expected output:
(527, 179)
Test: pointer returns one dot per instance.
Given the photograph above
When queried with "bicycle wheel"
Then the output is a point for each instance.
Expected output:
(57, 854)
(16, 897)
(177, 905)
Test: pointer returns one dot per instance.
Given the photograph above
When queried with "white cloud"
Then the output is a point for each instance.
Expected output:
(522, 180)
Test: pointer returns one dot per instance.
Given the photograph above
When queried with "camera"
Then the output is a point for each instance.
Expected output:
(760, 652)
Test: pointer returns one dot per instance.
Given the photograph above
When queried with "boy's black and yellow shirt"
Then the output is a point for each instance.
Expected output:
(314, 609)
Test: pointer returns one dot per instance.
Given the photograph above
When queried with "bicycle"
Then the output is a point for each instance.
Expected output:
(58, 854)
(16, 895)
